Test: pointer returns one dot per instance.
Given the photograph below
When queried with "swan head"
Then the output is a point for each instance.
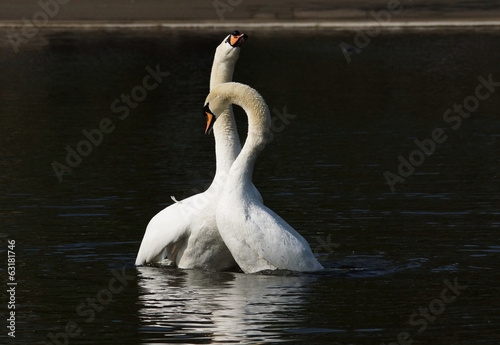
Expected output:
(236, 39)
(229, 49)
(210, 118)
(216, 103)
(219, 99)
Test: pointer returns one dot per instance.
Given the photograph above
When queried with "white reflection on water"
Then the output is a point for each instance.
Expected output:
(220, 306)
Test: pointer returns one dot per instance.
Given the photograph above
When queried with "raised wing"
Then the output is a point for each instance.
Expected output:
(167, 230)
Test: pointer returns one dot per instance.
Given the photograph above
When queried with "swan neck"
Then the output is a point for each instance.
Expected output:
(259, 122)
(223, 66)
(227, 141)
(222, 72)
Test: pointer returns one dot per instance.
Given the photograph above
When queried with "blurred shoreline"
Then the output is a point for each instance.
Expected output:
(354, 27)
(339, 14)
(458, 23)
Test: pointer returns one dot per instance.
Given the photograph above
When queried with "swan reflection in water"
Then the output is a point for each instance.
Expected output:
(223, 306)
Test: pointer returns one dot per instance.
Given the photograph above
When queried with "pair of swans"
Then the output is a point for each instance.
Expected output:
(228, 225)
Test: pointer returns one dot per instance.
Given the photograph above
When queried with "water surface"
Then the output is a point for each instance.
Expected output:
(386, 253)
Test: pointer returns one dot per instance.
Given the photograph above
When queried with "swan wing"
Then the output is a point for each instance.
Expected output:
(276, 242)
(168, 231)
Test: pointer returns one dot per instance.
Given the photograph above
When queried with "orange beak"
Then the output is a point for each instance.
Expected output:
(210, 123)
(236, 39)
(210, 119)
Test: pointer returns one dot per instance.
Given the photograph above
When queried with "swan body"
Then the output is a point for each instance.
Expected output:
(256, 236)
(185, 233)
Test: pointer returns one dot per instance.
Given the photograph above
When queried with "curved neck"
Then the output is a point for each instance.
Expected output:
(259, 123)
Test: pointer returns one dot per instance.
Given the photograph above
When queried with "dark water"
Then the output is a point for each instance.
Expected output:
(415, 265)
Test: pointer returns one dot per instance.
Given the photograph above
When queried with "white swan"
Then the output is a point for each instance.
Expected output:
(185, 234)
(257, 237)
